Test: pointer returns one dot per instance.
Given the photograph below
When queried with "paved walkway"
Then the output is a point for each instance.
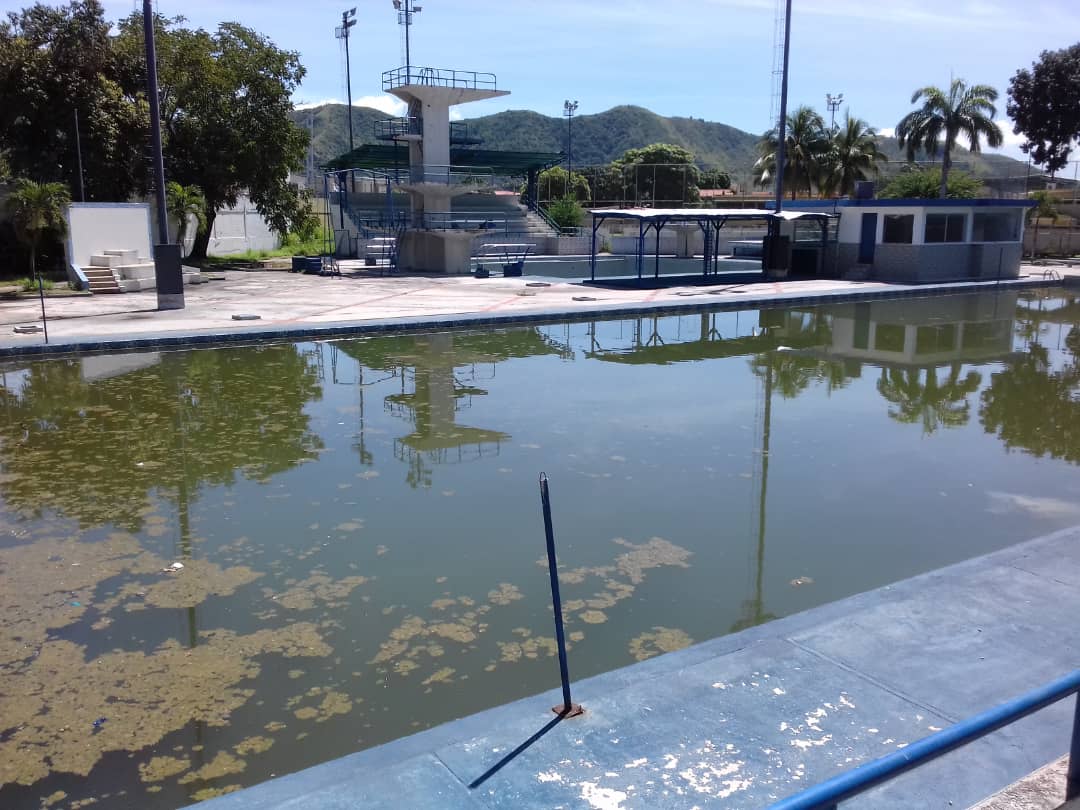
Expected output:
(745, 719)
(287, 302)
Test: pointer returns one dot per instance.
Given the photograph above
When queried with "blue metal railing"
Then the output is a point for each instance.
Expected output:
(828, 795)
(438, 77)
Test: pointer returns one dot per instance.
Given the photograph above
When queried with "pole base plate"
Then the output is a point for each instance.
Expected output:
(574, 710)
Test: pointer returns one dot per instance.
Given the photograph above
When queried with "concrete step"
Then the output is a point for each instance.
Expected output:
(98, 272)
(104, 260)
(127, 256)
(136, 270)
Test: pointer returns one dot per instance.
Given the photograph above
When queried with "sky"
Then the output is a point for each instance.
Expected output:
(710, 59)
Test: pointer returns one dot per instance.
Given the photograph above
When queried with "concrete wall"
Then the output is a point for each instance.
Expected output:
(96, 227)
(1057, 241)
(240, 229)
(916, 264)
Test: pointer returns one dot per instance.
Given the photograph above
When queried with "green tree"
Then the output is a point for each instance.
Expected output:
(566, 213)
(183, 202)
(806, 146)
(226, 99)
(925, 183)
(56, 63)
(555, 183)
(37, 209)
(853, 155)
(946, 116)
(1044, 104)
(714, 178)
(1044, 208)
(660, 172)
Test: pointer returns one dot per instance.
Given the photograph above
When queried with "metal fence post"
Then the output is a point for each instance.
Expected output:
(569, 708)
(1072, 779)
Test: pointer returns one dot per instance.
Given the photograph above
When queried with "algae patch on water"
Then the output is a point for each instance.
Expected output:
(50, 704)
(659, 640)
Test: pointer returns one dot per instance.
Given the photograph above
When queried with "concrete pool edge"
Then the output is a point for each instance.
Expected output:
(1010, 587)
(184, 339)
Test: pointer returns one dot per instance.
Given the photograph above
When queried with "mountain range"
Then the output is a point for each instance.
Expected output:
(603, 137)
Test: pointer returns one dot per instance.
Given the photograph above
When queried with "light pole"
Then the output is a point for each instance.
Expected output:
(168, 275)
(405, 10)
(782, 124)
(569, 108)
(348, 20)
(833, 103)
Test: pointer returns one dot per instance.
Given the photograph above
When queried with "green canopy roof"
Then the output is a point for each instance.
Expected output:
(388, 156)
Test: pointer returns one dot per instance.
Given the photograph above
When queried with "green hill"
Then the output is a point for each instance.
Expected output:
(603, 137)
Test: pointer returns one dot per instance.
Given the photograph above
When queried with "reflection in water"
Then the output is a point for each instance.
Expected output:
(275, 477)
(93, 448)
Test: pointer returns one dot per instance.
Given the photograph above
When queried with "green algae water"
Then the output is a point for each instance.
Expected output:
(222, 565)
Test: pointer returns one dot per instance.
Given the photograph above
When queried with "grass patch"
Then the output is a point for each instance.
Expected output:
(28, 284)
(293, 245)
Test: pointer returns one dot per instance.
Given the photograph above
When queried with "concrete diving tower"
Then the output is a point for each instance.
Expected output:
(430, 93)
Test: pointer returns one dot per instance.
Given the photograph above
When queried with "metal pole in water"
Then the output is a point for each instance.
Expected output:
(569, 708)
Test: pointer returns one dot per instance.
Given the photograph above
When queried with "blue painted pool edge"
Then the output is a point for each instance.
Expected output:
(290, 791)
(351, 329)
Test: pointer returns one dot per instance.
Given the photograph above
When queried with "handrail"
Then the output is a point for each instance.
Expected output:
(829, 794)
(437, 77)
(398, 127)
(451, 175)
(544, 215)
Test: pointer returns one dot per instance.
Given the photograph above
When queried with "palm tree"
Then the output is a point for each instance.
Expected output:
(930, 401)
(853, 156)
(1044, 209)
(806, 144)
(963, 111)
(35, 208)
(182, 202)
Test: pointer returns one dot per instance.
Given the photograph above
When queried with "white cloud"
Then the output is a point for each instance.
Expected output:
(887, 132)
(383, 103)
(387, 104)
(455, 115)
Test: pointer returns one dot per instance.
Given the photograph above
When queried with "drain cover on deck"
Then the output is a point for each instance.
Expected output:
(246, 317)
(27, 330)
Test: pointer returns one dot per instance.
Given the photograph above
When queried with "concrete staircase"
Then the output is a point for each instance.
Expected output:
(117, 271)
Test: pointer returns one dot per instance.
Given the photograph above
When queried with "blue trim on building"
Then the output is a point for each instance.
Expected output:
(904, 203)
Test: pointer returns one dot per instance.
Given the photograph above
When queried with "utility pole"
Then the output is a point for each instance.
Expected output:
(78, 156)
(405, 10)
(168, 274)
(833, 103)
(569, 108)
(782, 126)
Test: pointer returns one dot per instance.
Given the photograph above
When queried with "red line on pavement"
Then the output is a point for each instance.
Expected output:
(499, 304)
(348, 306)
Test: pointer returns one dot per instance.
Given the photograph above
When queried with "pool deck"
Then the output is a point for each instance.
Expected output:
(746, 719)
(294, 306)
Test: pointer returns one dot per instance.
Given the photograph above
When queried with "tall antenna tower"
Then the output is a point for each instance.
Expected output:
(777, 74)
(405, 10)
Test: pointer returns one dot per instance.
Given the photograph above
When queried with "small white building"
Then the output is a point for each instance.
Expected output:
(913, 241)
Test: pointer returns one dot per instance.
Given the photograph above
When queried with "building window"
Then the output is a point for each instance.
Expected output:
(889, 337)
(935, 339)
(898, 229)
(999, 226)
(945, 227)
